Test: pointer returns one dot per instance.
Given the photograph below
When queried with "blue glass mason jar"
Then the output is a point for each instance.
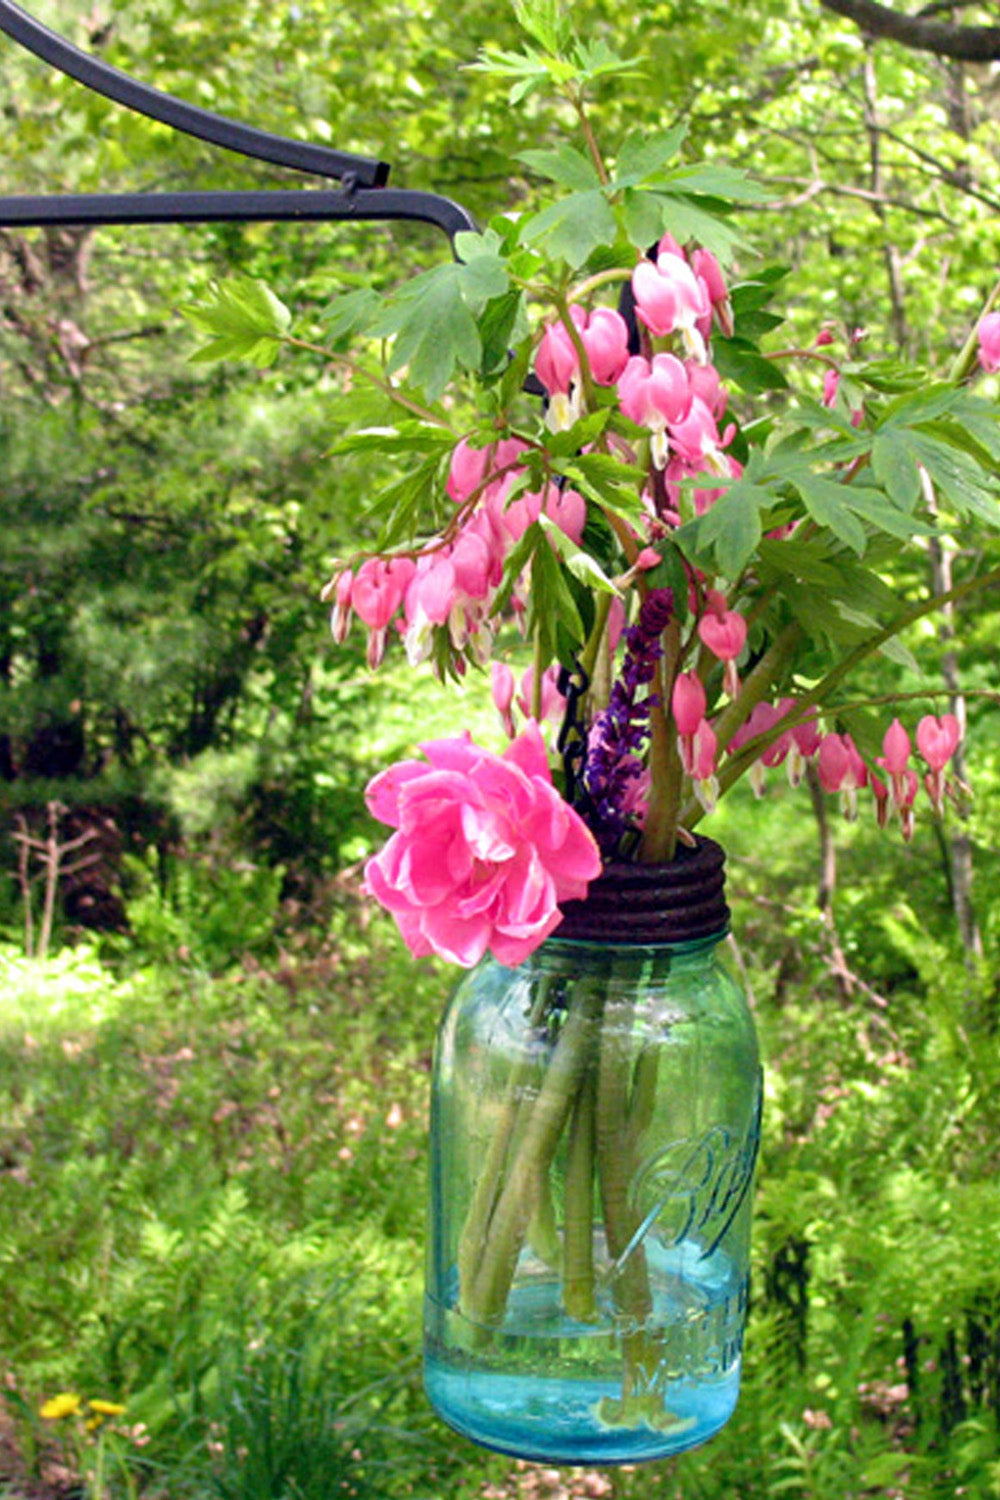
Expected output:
(594, 1127)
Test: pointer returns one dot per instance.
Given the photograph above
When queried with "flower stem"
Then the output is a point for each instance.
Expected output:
(631, 1283)
(481, 1209)
(578, 1214)
(659, 839)
(485, 1295)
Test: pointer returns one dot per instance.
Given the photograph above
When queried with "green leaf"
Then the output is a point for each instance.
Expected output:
(583, 432)
(515, 374)
(958, 479)
(644, 217)
(895, 468)
(827, 503)
(643, 154)
(573, 227)
(884, 1469)
(894, 650)
(604, 467)
(618, 499)
(671, 573)
(582, 566)
(731, 528)
(874, 508)
(497, 323)
(515, 562)
(689, 218)
(350, 313)
(738, 361)
(552, 602)
(405, 437)
(595, 59)
(930, 401)
(404, 504)
(570, 168)
(790, 558)
(711, 180)
(546, 21)
(752, 296)
(439, 333)
(433, 317)
(244, 319)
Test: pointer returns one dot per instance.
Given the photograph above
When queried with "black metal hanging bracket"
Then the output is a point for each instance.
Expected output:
(363, 197)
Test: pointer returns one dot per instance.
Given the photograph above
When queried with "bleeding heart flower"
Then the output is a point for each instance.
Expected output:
(937, 741)
(989, 342)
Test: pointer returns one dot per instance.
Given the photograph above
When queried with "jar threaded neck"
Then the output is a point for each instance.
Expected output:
(653, 903)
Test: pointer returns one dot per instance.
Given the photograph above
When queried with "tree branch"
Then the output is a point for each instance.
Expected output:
(943, 38)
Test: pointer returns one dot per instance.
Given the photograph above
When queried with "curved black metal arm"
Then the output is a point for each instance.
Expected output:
(100, 76)
(364, 195)
(305, 206)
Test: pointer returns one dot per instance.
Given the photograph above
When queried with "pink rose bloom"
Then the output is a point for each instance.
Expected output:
(484, 851)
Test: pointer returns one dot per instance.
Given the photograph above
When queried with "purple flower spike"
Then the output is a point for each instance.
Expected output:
(614, 770)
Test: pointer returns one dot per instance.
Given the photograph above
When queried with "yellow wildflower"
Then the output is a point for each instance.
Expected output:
(106, 1408)
(63, 1405)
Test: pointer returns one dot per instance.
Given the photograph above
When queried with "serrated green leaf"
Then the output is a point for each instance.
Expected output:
(570, 168)
(890, 375)
(618, 500)
(573, 227)
(244, 319)
(439, 334)
(547, 21)
(595, 59)
(605, 467)
(470, 244)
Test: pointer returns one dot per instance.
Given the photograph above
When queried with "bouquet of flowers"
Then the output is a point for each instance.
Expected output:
(696, 538)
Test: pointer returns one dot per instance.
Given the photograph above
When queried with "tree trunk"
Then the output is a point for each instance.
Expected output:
(958, 844)
(828, 884)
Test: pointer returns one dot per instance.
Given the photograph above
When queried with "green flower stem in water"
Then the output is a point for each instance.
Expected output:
(476, 1228)
(614, 1164)
(484, 1295)
(578, 1219)
(619, 1124)
(642, 1101)
(543, 1231)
